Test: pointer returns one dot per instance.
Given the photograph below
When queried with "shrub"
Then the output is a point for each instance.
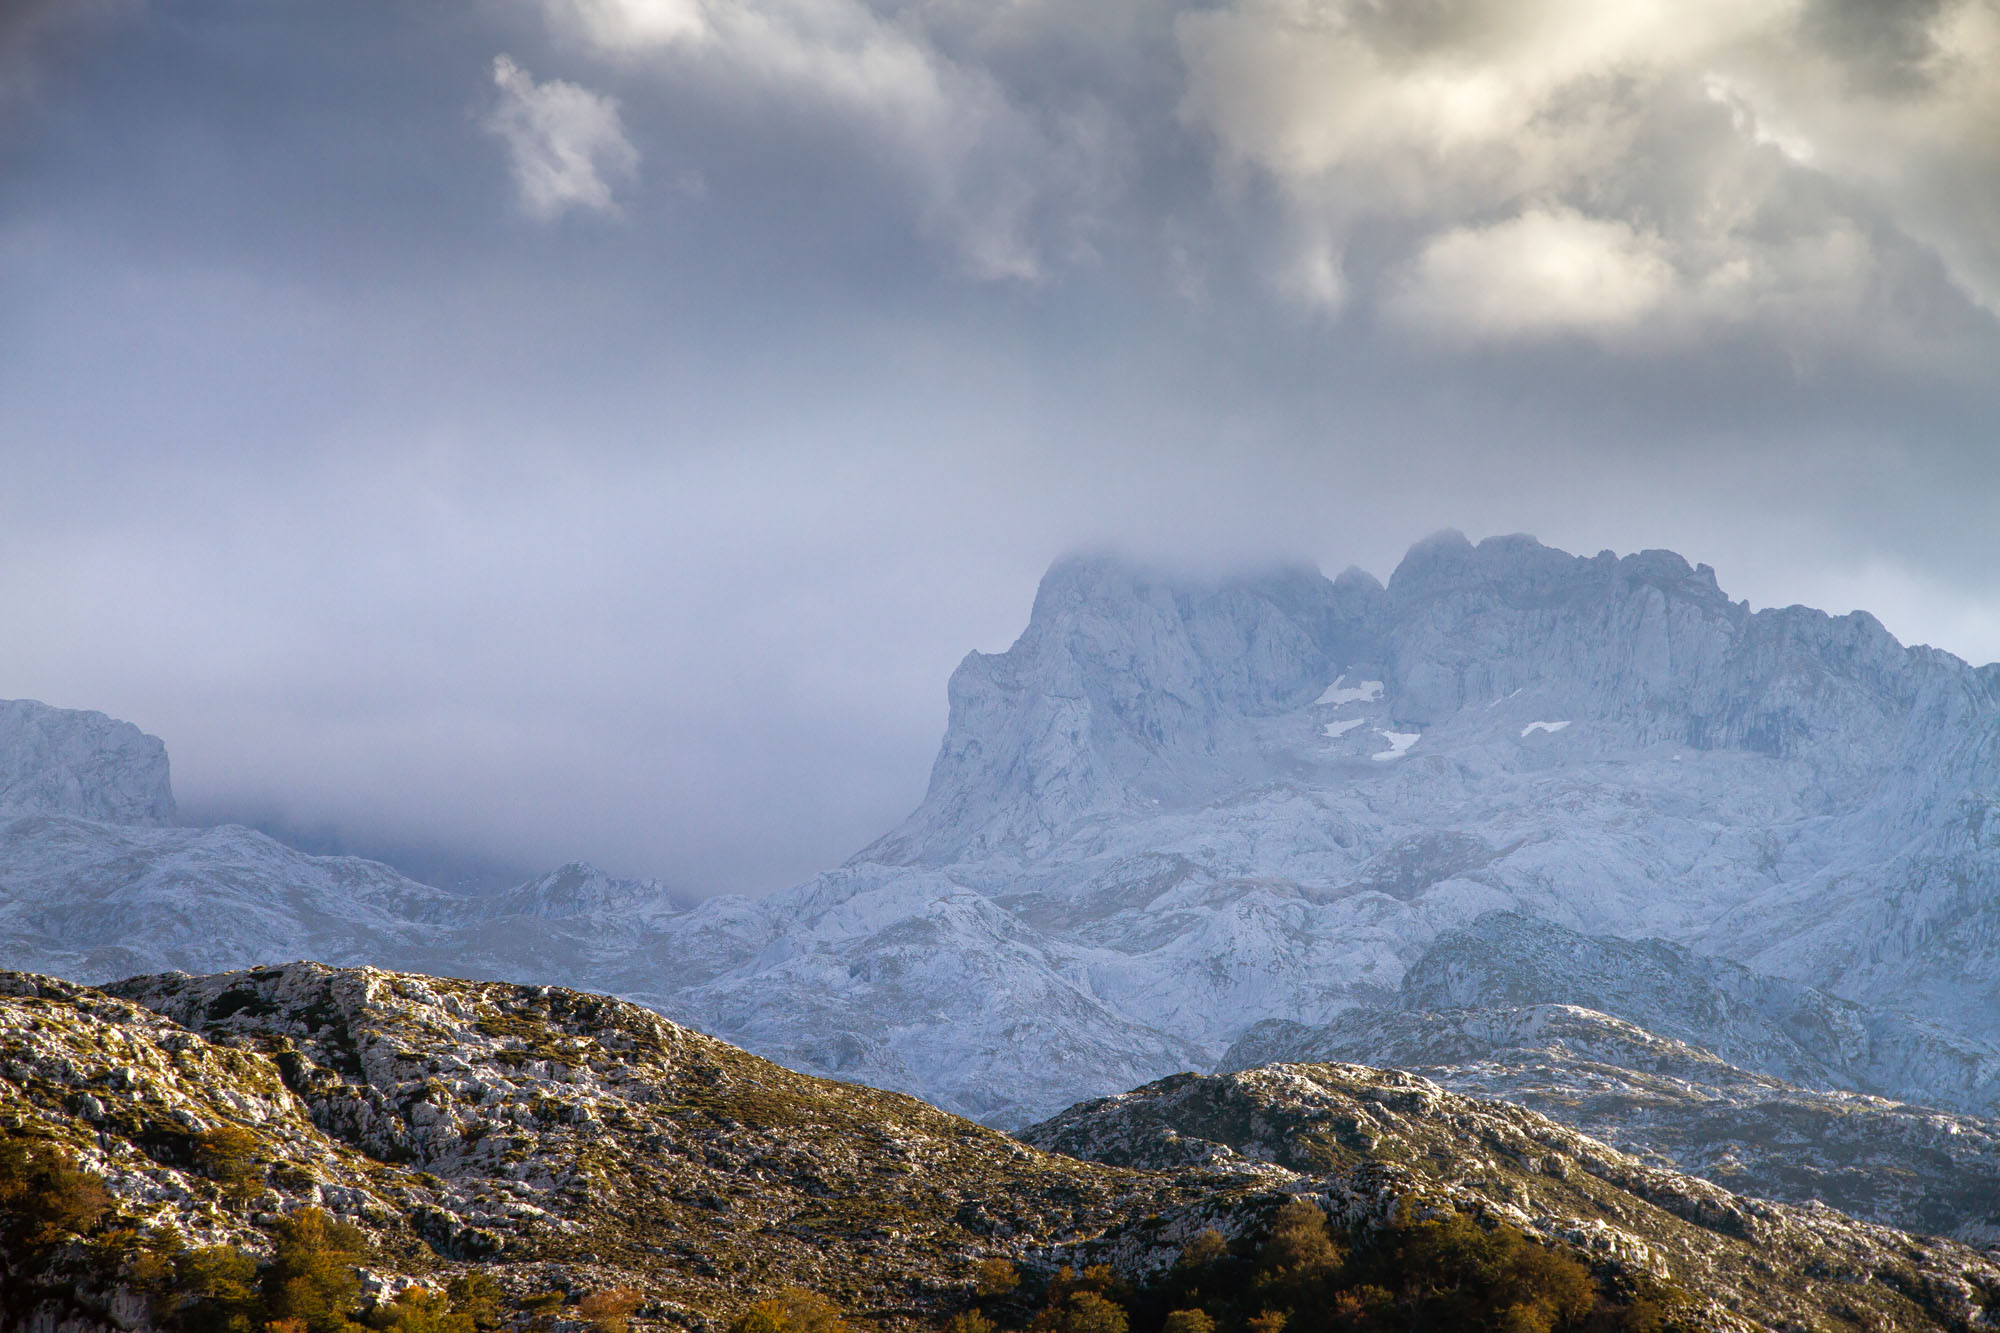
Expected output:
(312, 1276)
(970, 1321)
(1300, 1248)
(1188, 1321)
(994, 1278)
(420, 1310)
(608, 1311)
(791, 1311)
(44, 1197)
(477, 1297)
(1205, 1250)
(1082, 1311)
(215, 1288)
(228, 1156)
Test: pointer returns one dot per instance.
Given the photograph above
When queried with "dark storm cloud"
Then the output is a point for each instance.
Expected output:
(597, 428)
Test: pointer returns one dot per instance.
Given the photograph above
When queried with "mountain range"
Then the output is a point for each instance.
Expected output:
(1181, 817)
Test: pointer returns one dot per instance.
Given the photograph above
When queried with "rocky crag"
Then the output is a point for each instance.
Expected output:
(557, 1140)
(561, 1143)
(56, 761)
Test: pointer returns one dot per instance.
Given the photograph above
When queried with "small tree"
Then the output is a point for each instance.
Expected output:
(477, 1297)
(312, 1276)
(216, 1289)
(1189, 1321)
(792, 1310)
(228, 1156)
(1204, 1250)
(1083, 1311)
(1300, 1247)
(44, 1197)
(608, 1311)
(994, 1278)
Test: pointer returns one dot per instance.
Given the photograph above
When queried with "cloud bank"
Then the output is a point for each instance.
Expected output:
(1636, 175)
(551, 428)
(1559, 165)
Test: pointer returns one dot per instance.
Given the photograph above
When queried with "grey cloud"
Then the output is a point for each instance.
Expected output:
(1448, 121)
(34, 33)
(415, 522)
(1887, 47)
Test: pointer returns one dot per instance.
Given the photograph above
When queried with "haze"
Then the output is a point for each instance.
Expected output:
(516, 430)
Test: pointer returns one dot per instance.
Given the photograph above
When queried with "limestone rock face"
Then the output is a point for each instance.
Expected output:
(1674, 1104)
(58, 761)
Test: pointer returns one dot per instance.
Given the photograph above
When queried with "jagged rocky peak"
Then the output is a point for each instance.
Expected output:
(1130, 687)
(1134, 689)
(580, 889)
(60, 761)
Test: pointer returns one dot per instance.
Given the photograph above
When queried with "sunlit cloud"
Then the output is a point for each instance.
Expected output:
(565, 143)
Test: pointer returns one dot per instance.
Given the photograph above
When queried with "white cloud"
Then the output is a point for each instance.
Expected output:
(1545, 165)
(563, 141)
(1537, 275)
(1002, 183)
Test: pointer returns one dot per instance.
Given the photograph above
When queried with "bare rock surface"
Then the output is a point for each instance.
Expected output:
(1357, 1134)
(557, 1140)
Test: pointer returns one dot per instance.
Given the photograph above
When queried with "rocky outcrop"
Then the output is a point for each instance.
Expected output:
(1665, 1102)
(57, 761)
(1353, 1135)
(548, 1138)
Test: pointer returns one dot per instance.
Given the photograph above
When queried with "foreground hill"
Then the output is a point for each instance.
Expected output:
(1355, 1132)
(558, 1137)
(564, 1144)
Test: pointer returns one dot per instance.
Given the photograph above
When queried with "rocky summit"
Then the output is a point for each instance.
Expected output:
(558, 1154)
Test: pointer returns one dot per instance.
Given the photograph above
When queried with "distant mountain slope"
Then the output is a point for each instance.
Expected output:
(1765, 1023)
(558, 1142)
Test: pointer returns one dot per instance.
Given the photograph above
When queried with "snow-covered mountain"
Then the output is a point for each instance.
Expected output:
(1176, 808)
(57, 761)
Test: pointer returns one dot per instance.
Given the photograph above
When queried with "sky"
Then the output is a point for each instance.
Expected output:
(498, 432)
